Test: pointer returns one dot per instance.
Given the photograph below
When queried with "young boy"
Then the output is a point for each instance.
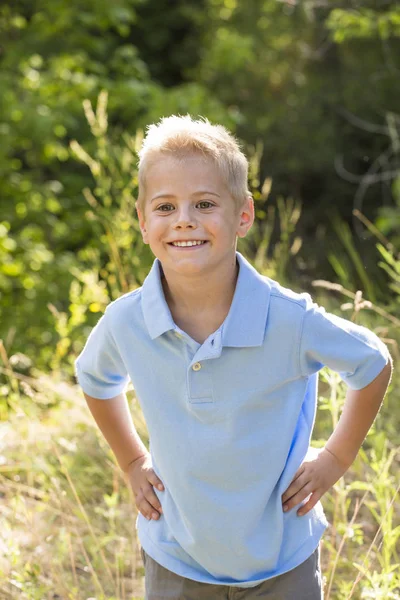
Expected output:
(225, 364)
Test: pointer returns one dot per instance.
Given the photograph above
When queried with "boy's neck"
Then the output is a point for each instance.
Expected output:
(203, 298)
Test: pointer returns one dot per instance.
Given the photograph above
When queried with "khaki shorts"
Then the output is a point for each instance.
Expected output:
(302, 583)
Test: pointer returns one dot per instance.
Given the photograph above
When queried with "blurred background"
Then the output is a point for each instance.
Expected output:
(311, 88)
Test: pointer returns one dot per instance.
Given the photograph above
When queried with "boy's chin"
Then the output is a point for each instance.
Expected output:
(186, 266)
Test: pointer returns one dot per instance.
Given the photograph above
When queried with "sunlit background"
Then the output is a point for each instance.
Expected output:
(312, 89)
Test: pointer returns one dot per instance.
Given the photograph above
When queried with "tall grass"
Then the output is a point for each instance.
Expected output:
(68, 517)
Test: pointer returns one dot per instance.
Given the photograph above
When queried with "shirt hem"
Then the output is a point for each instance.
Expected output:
(301, 555)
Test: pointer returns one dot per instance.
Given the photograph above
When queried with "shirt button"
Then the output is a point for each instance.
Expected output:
(196, 367)
(178, 335)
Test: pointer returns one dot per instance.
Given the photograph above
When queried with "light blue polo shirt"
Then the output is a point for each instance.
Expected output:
(229, 420)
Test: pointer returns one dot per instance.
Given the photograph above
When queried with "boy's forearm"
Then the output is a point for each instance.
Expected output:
(359, 412)
(114, 419)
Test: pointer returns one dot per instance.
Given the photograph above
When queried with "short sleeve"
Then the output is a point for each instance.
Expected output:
(99, 368)
(353, 351)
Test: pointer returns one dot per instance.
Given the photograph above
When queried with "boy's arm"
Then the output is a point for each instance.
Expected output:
(101, 371)
(317, 475)
(115, 422)
(359, 412)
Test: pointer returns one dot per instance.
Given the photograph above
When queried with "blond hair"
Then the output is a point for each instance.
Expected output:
(182, 136)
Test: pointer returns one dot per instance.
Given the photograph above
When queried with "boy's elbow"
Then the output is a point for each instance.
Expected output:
(93, 399)
(388, 369)
(385, 375)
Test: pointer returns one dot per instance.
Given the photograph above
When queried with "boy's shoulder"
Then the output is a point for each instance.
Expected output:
(282, 295)
(127, 303)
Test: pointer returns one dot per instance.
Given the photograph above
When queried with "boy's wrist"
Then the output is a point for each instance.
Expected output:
(129, 465)
(344, 462)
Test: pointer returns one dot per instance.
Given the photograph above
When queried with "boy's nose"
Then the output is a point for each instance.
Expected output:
(184, 219)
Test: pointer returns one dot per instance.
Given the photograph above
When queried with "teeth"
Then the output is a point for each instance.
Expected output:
(194, 243)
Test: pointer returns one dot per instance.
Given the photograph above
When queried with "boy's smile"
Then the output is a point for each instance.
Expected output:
(190, 220)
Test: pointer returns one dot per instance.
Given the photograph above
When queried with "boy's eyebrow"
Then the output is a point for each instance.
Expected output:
(199, 193)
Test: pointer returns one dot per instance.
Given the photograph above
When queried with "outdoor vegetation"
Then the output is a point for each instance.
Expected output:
(311, 89)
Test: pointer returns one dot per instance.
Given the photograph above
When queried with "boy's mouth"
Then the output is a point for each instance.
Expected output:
(188, 243)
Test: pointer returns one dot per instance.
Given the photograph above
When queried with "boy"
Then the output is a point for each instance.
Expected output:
(225, 364)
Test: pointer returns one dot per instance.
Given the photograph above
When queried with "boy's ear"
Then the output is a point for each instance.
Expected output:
(246, 217)
(142, 224)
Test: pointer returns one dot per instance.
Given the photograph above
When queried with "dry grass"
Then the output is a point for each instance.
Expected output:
(68, 517)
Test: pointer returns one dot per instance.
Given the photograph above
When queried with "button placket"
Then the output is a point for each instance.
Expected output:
(199, 382)
(200, 370)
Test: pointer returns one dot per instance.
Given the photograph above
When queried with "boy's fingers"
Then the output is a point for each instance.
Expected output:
(293, 482)
(310, 504)
(299, 472)
(152, 498)
(154, 480)
(295, 487)
(297, 498)
(147, 510)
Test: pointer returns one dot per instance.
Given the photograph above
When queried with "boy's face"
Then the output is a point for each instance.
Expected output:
(188, 201)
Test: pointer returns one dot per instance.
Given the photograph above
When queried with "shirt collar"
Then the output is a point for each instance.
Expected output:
(246, 321)
(247, 317)
(156, 313)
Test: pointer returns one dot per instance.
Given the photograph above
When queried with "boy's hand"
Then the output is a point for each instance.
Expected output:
(316, 475)
(142, 478)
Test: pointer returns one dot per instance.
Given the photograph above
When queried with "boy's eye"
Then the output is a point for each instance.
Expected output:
(165, 207)
(205, 204)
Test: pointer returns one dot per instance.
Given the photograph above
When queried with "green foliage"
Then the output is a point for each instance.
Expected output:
(321, 110)
(349, 259)
(276, 73)
(58, 56)
(365, 23)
